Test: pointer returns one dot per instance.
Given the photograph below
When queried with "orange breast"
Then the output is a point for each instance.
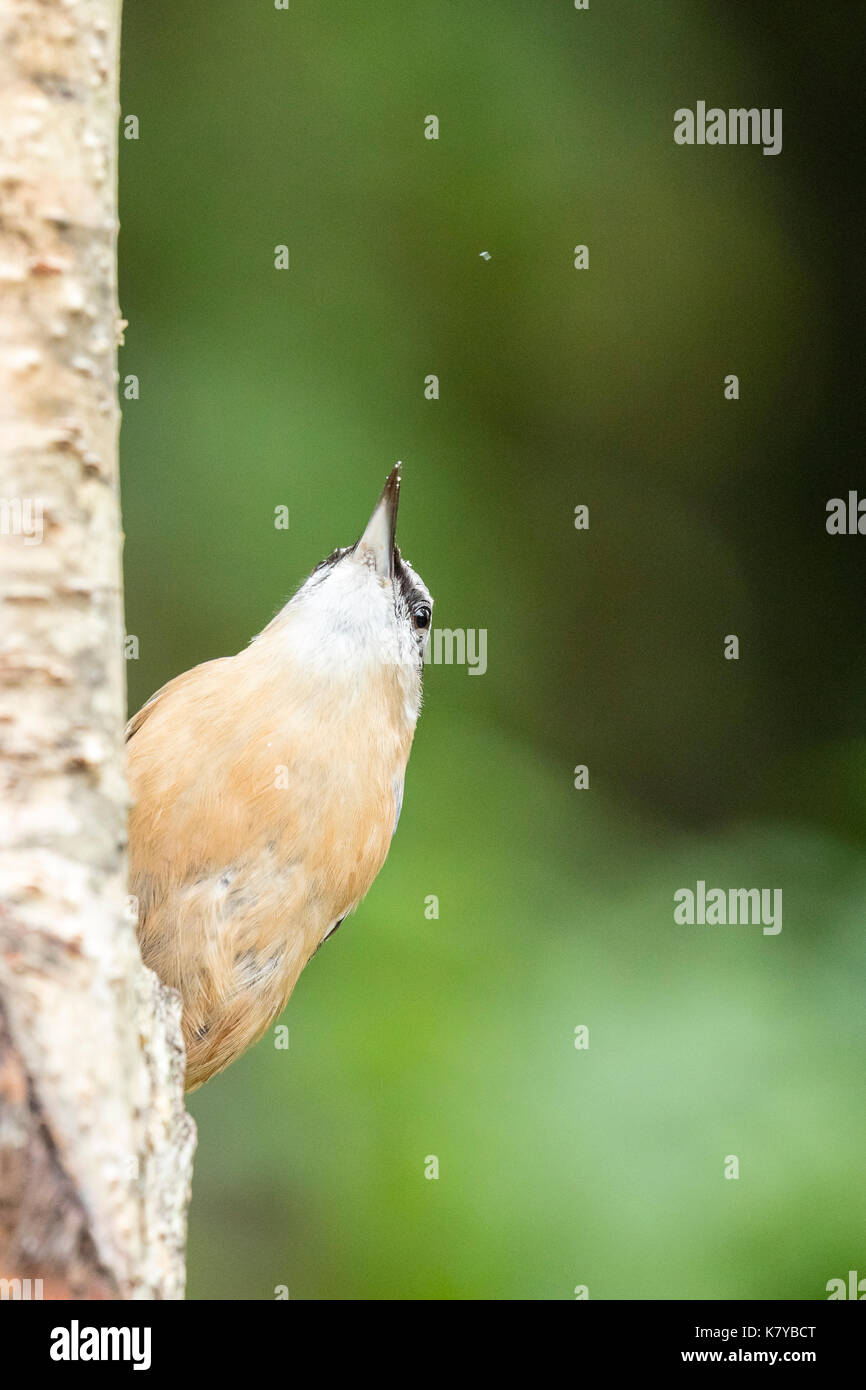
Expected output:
(262, 810)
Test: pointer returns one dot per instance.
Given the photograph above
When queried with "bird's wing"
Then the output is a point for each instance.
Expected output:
(174, 685)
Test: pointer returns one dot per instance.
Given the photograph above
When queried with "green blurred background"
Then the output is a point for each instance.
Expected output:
(455, 1037)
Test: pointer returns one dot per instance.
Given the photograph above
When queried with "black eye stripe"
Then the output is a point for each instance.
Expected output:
(407, 588)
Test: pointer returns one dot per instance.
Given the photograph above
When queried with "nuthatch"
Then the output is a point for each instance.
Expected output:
(266, 788)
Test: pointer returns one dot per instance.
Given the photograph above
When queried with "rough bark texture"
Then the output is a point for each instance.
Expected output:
(95, 1143)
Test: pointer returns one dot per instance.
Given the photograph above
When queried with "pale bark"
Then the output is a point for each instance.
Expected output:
(95, 1143)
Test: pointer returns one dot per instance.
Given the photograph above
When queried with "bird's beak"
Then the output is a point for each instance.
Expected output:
(376, 546)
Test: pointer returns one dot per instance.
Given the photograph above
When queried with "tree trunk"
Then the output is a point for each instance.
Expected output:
(95, 1143)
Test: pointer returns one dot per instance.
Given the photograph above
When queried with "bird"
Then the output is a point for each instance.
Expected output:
(265, 789)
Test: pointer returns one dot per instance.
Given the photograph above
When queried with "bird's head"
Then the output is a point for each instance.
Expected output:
(363, 610)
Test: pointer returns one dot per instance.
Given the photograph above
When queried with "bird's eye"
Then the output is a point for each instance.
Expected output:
(421, 617)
